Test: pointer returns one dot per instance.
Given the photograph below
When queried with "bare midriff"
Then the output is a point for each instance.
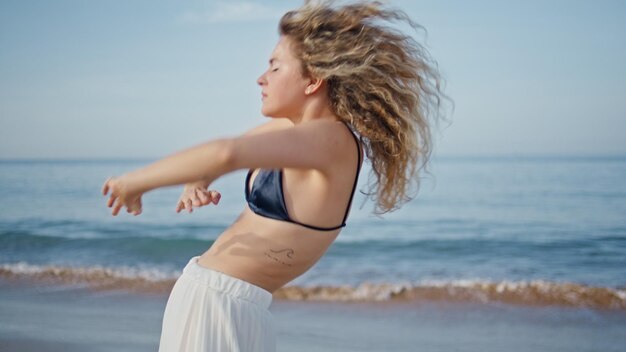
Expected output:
(265, 252)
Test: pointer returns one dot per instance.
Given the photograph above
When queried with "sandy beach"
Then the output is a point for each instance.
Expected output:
(69, 318)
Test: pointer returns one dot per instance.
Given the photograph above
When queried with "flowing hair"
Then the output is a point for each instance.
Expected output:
(380, 81)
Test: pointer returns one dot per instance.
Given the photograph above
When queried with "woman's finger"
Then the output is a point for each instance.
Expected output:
(189, 205)
(179, 206)
(111, 201)
(203, 197)
(105, 187)
(195, 200)
(215, 196)
(116, 208)
(135, 210)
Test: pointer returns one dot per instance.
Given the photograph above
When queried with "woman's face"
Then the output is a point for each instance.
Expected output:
(282, 85)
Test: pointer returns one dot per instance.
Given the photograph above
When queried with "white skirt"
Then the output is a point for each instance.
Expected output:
(208, 310)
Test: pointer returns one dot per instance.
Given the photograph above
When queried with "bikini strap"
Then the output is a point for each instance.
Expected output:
(358, 169)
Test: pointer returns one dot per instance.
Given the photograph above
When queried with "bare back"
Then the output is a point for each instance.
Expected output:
(269, 253)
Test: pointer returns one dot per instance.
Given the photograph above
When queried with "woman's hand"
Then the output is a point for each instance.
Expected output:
(196, 194)
(122, 195)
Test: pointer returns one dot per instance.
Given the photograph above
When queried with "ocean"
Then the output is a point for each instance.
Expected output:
(548, 231)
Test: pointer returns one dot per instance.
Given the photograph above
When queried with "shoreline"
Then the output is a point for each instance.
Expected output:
(525, 293)
(72, 318)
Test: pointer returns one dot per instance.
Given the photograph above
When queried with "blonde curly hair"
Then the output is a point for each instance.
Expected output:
(380, 81)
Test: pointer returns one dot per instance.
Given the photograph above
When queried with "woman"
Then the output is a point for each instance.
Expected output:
(333, 73)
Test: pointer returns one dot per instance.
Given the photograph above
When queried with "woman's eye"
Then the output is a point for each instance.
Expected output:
(274, 70)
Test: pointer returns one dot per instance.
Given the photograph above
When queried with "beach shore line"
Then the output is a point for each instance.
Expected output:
(47, 318)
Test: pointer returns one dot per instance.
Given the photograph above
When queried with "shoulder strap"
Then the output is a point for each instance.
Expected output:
(358, 169)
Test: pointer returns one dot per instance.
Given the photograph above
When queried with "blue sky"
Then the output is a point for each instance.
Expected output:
(135, 79)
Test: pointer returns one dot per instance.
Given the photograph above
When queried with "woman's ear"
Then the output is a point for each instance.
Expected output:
(313, 86)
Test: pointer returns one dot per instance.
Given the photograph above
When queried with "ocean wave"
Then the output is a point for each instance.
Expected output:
(61, 230)
(96, 277)
(528, 293)
(28, 241)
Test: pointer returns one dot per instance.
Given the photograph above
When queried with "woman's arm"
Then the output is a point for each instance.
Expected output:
(201, 163)
(272, 125)
(311, 145)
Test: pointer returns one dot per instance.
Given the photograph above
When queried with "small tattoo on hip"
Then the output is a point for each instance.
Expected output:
(287, 252)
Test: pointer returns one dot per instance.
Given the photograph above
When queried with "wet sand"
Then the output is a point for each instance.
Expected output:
(65, 318)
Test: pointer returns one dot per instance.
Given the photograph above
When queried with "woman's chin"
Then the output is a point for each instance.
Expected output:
(268, 113)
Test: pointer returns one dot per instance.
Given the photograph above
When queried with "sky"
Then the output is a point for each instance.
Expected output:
(89, 79)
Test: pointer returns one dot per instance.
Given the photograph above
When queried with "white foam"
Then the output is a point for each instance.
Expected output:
(121, 272)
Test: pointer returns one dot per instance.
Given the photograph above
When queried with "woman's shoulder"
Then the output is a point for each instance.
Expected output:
(272, 125)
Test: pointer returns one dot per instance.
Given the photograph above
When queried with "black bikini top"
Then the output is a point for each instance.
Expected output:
(267, 199)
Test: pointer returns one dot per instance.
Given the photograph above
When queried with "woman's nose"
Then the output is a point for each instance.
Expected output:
(261, 80)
